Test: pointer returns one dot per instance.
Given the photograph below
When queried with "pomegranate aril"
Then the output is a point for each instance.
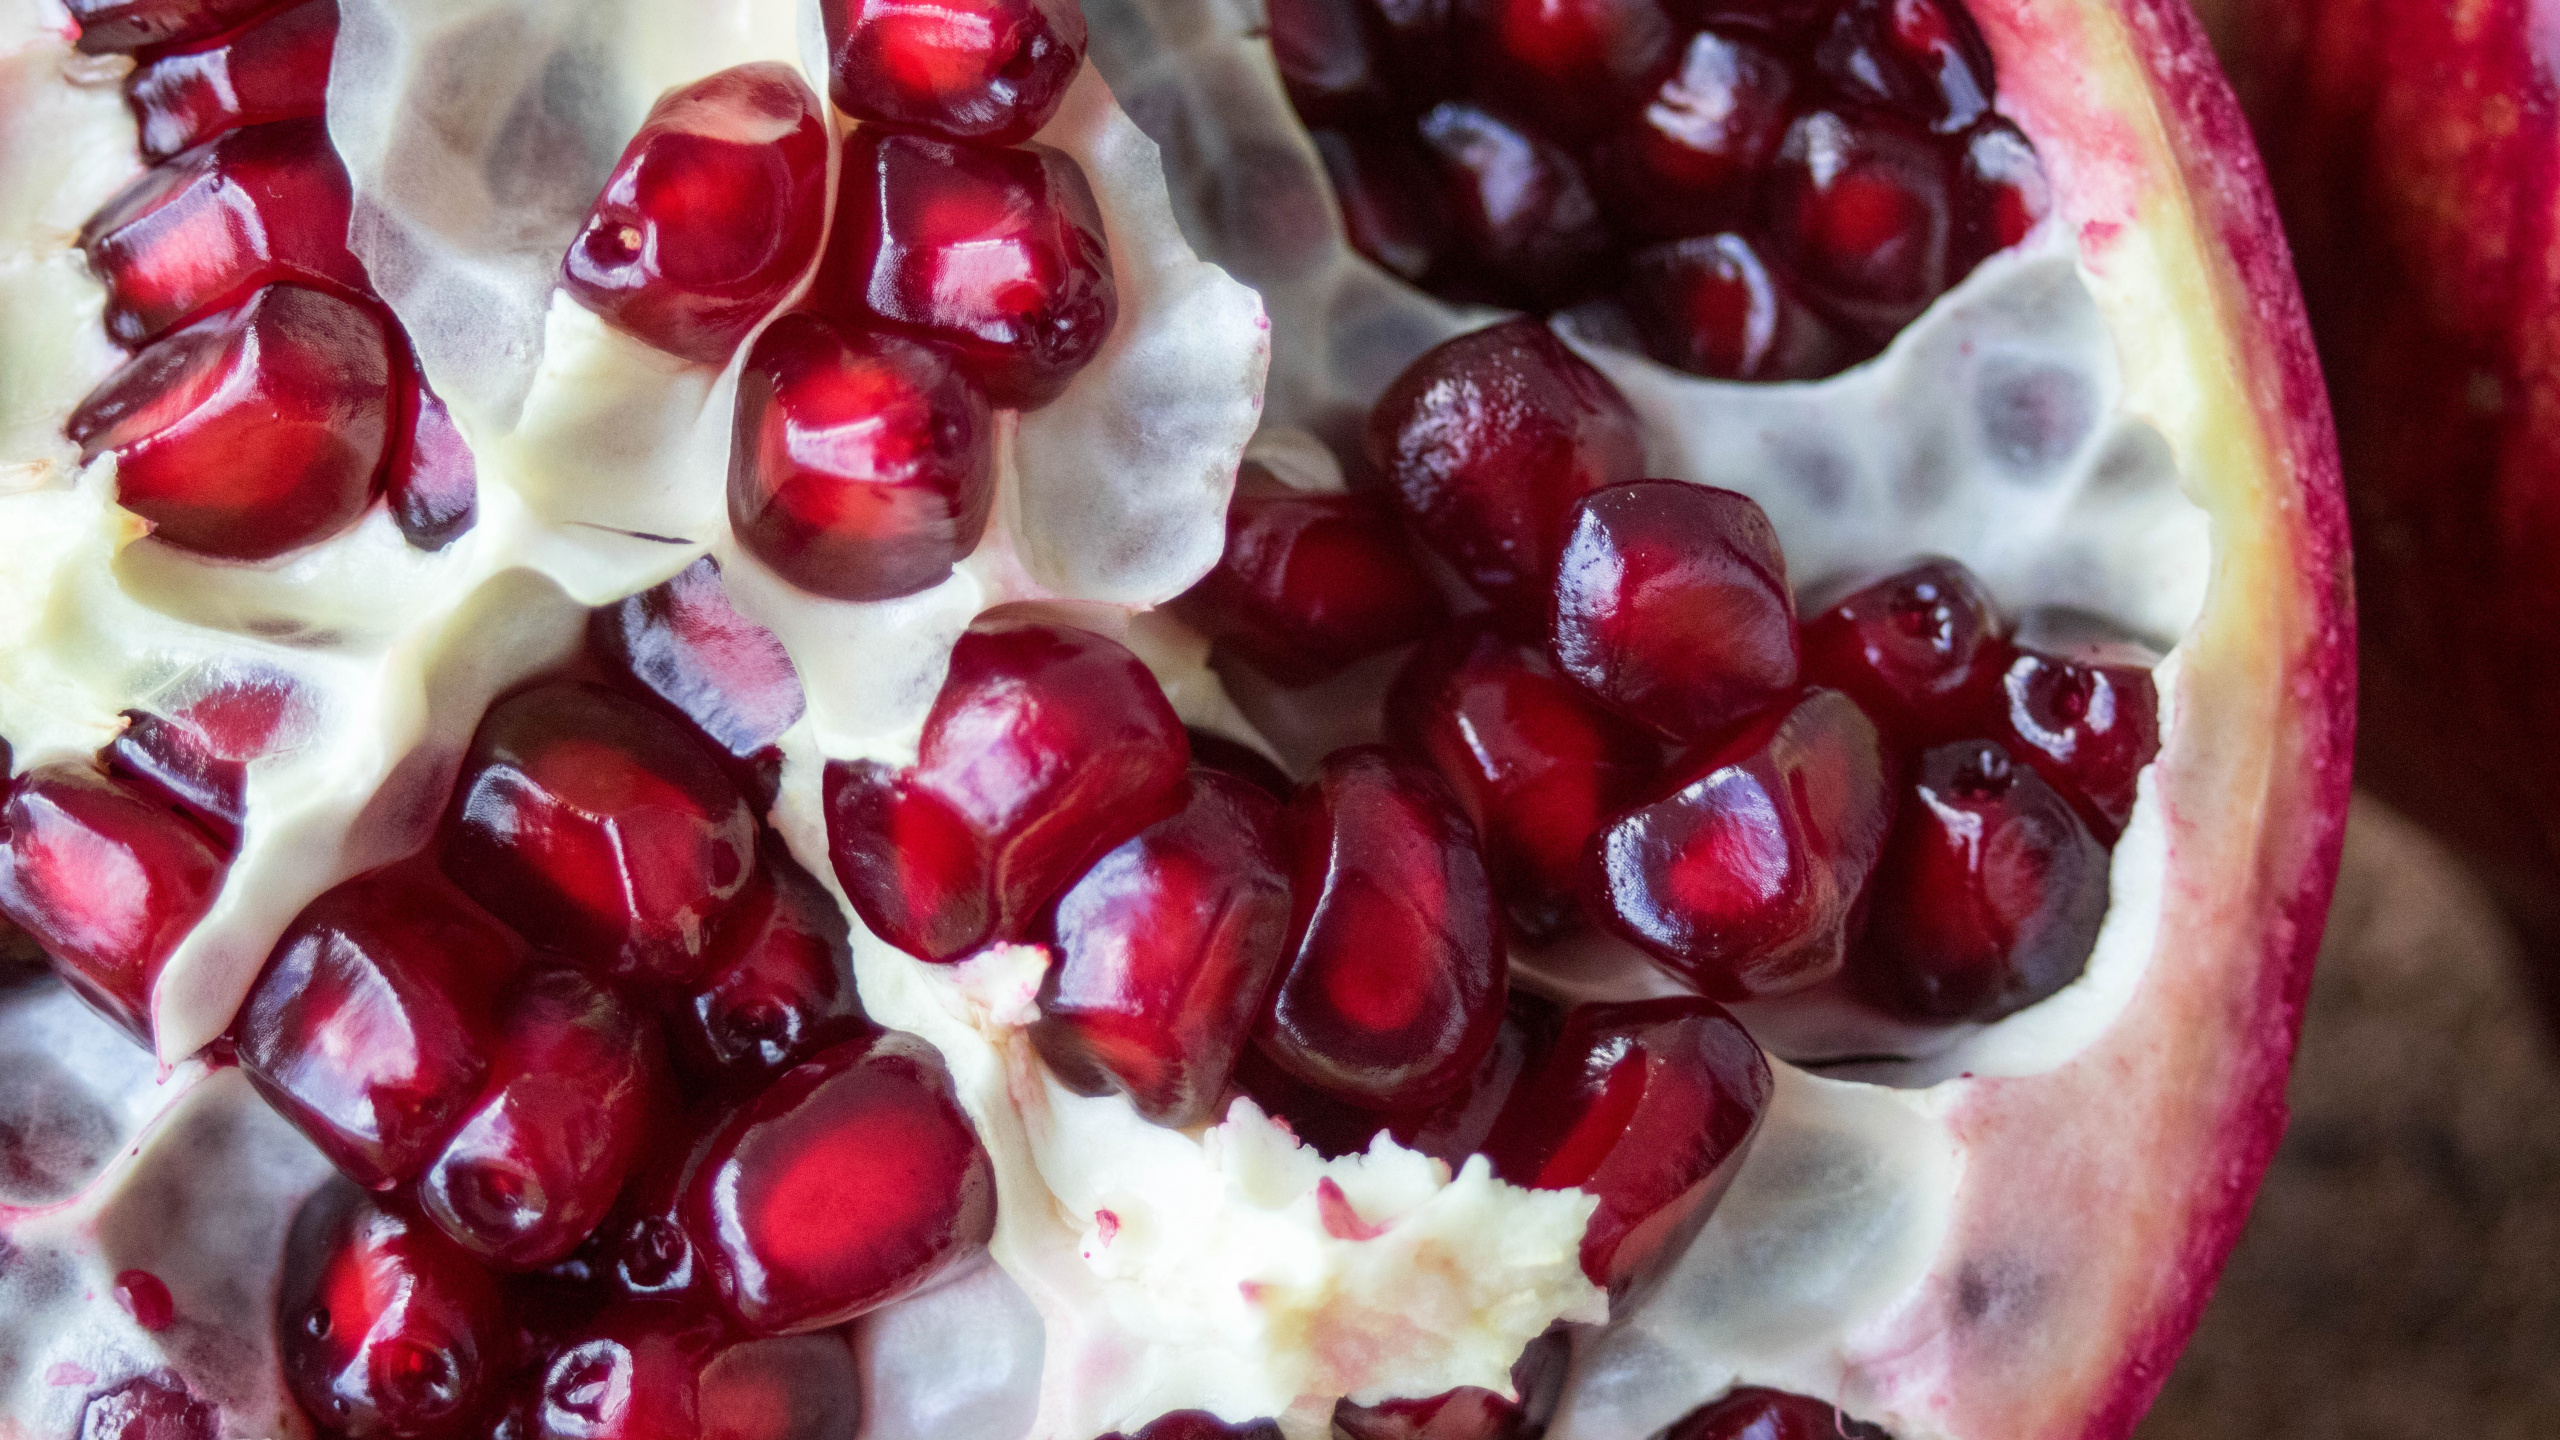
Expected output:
(711, 216)
(1470, 1413)
(659, 1371)
(1785, 19)
(1240, 760)
(149, 1407)
(1920, 58)
(1328, 61)
(1458, 1126)
(1672, 606)
(1574, 64)
(1392, 208)
(371, 1025)
(1690, 158)
(1648, 1105)
(1525, 228)
(1751, 1413)
(727, 675)
(277, 69)
(779, 988)
(1164, 950)
(994, 255)
(853, 1181)
(1741, 876)
(110, 26)
(864, 465)
(643, 1248)
(2002, 193)
(1536, 765)
(262, 206)
(1861, 211)
(988, 71)
(1712, 305)
(108, 880)
(1046, 748)
(179, 765)
(2083, 710)
(1920, 651)
(1989, 895)
(250, 433)
(600, 829)
(1393, 985)
(1310, 582)
(433, 481)
(1487, 440)
(385, 1327)
(1200, 1425)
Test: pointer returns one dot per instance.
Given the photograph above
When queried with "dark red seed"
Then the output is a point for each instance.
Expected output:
(864, 467)
(780, 987)
(1920, 651)
(1164, 950)
(181, 766)
(1755, 1414)
(727, 675)
(1486, 441)
(1240, 760)
(657, 1371)
(1414, 45)
(108, 26)
(988, 71)
(1525, 225)
(2002, 193)
(277, 69)
(1740, 876)
(1672, 606)
(1328, 61)
(371, 1025)
(146, 1298)
(1536, 765)
(1785, 19)
(1648, 1105)
(432, 480)
(386, 1327)
(994, 255)
(1860, 208)
(1200, 1425)
(1989, 895)
(1576, 65)
(149, 1407)
(1459, 1126)
(1712, 305)
(252, 432)
(711, 216)
(1393, 987)
(1046, 747)
(600, 829)
(2083, 710)
(1392, 208)
(1310, 582)
(1690, 159)
(107, 880)
(1922, 58)
(643, 1249)
(852, 1182)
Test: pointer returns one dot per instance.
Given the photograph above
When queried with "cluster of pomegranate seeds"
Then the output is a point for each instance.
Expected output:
(277, 70)
(1754, 192)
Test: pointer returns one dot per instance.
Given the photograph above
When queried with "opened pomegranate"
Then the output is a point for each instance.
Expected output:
(727, 808)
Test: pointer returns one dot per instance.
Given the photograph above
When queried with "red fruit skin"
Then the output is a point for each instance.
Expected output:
(249, 433)
(149, 1408)
(1046, 747)
(1536, 765)
(1164, 951)
(1487, 440)
(1712, 305)
(1690, 159)
(577, 1076)
(711, 216)
(598, 828)
(2082, 708)
(1310, 582)
(780, 987)
(371, 1026)
(656, 1371)
(1524, 222)
(864, 467)
(107, 879)
(987, 71)
(1921, 651)
(1573, 64)
(1393, 986)
(1861, 211)
(1740, 877)
(386, 1328)
(109, 26)
(1750, 1413)
(1649, 1105)
(996, 256)
(853, 1181)
(277, 69)
(1672, 606)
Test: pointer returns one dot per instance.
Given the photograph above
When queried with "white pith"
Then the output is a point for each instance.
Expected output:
(1842, 1208)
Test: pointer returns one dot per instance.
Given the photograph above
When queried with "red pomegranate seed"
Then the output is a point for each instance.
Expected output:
(1393, 986)
(1647, 1105)
(1310, 582)
(262, 206)
(149, 1407)
(371, 1025)
(1989, 895)
(1574, 64)
(988, 71)
(1200, 1425)
(1459, 1126)
(1861, 209)
(1524, 220)
(1787, 19)
(865, 464)
(106, 879)
(1164, 951)
(1690, 158)
(1755, 1414)
(1672, 606)
(1487, 440)
(2082, 709)
(1922, 58)
(853, 1181)
(780, 987)
(250, 433)
(1046, 747)
(643, 1249)
(1327, 61)
(994, 255)
(277, 69)
(185, 769)
(433, 481)
(1920, 651)
(2002, 193)
(727, 675)
(146, 1298)
(655, 1371)
(576, 1076)
(1392, 209)
(1740, 876)
(1536, 765)
(599, 829)
(1242, 761)
(1711, 305)
(386, 1327)
(711, 216)
(1469, 1413)
(122, 25)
